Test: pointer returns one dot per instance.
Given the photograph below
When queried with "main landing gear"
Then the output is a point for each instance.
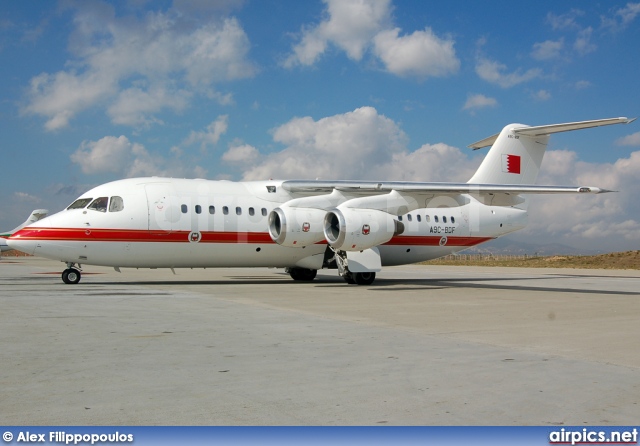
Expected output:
(359, 278)
(334, 259)
(72, 274)
(303, 274)
(364, 278)
(307, 275)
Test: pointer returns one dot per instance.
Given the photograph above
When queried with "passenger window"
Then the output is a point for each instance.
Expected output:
(264, 212)
(184, 208)
(99, 204)
(116, 204)
(80, 203)
(399, 217)
(444, 219)
(409, 217)
(453, 220)
(225, 210)
(435, 218)
(252, 212)
(238, 211)
(212, 210)
(198, 209)
(427, 218)
(419, 217)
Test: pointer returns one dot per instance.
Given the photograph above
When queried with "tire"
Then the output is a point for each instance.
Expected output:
(303, 274)
(71, 276)
(349, 279)
(364, 278)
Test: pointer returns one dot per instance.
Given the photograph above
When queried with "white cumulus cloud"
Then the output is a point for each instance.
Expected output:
(346, 145)
(420, 54)
(108, 154)
(350, 25)
(359, 145)
(118, 155)
(622, 17)
(494, 72)
(549, 49)
(241, 154)
(211, 135)
(629, 140)
(477, 101)
(137, 67)
(358, 26)
(608, 222)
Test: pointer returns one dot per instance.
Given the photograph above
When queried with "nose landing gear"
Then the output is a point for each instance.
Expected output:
(72, 274)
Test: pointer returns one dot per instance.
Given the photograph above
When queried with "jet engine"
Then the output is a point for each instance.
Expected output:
(353, 229)
(296, 227)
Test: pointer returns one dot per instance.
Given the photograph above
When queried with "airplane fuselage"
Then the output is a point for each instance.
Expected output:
(180, 223)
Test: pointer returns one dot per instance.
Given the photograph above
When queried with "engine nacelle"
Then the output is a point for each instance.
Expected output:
(352, 229)
(296, 227)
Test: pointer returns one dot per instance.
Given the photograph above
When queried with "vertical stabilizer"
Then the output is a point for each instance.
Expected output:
(517, 151)
(513, 158)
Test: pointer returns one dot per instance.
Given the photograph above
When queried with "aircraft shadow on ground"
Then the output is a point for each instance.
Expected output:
(381, 284)
(477, 283)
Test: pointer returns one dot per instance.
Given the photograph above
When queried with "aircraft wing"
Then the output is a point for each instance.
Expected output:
(373, 187)
(393, 195)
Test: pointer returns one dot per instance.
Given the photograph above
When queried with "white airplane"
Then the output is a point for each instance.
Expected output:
(354, 226)
(36, 215)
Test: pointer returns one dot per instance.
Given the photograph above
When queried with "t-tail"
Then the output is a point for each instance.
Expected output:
(516, 153)
(36, 215)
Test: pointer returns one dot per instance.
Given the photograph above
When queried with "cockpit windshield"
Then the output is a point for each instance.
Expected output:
(80, 203)
(99, 204)
(116, 204)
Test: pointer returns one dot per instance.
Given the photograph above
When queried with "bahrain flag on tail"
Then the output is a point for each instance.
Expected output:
(511, 163)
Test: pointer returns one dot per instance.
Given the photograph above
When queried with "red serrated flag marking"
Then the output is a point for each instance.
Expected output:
(511, 163)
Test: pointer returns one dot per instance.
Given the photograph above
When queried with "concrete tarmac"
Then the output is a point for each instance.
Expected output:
(423, 345)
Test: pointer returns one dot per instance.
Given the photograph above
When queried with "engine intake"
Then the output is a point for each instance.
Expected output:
(352, 229)
(296, 227)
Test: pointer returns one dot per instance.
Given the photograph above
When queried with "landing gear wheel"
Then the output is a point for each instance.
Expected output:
(364, 278)
(303, 274)
(349, 279)
(71, 276)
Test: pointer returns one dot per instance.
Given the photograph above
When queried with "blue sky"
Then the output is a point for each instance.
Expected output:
(96, 91)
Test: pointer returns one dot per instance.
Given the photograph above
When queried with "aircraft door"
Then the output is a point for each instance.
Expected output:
(163, 212)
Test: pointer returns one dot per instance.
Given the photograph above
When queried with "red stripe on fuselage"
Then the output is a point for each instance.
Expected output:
(129, 235)
(144, 236)
(430, 240)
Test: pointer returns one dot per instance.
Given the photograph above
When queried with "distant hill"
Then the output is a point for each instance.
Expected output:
(504, 245)
(614, 260)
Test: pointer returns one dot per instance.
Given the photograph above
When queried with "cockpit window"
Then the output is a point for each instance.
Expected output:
(80, 203)
(116, 204)
(99, 204)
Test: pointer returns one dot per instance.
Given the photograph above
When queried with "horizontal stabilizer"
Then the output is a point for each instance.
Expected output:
(541, 130)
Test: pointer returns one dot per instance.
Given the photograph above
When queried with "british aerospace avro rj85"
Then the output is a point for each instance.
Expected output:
(354, 226)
